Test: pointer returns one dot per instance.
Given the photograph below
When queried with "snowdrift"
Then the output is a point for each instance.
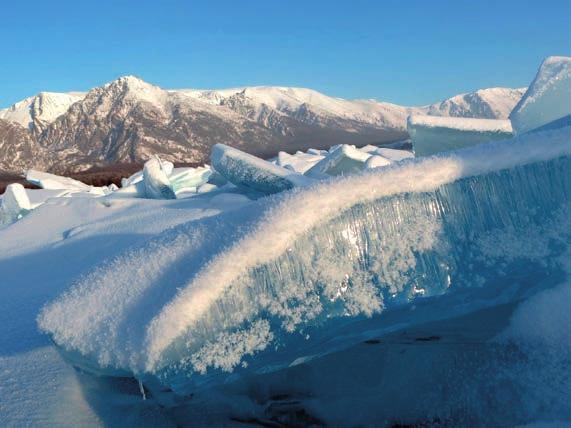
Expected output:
(256, 289)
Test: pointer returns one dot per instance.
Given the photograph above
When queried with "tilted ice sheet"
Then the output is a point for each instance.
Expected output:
(431, 134)
(252, 277)
(252, 173)
(548, 98)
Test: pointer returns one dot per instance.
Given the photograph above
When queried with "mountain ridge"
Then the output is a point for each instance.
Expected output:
(128, 119)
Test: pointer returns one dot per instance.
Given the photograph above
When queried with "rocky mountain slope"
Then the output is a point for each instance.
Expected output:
(127, 120)
(491, 103)
(37, 112)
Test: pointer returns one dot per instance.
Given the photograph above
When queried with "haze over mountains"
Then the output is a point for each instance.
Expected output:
(127, 120)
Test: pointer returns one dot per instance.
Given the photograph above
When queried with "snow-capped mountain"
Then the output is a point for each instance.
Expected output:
(36, 112)
(491, 103)
(272, 106)
(128, 119)
(309, 106)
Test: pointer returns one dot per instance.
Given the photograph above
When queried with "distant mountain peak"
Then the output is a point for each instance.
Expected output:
(131, 82)
(489, 103)
(36, 112)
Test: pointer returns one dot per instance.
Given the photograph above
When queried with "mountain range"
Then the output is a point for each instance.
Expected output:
(128, 120)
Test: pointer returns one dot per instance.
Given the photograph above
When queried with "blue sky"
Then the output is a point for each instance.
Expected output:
(407, 52)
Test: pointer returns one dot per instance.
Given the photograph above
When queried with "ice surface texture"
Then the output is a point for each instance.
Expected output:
(200, 299)
(253, 173)
(548, 98)
(431, 134)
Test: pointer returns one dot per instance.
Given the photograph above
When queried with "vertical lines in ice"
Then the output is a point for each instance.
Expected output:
(392, 250)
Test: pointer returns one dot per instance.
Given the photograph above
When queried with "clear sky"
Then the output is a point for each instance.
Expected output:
(407, 51)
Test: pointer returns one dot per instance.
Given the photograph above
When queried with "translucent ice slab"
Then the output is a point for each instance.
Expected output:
(433, 134)
(548, 98)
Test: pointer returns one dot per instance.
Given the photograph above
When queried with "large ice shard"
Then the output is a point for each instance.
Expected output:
(342, 160)
(434, 134)
(14, 204)
(156, 180)
(253, 173)
(547, 102)
(285, 279)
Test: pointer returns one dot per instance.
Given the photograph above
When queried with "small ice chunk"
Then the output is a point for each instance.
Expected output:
(317, 152)
(342, 160)
(55, 182)
(206, 187)
(253, 173)
(300, 162)
(369, 148)
(547, 102)
(183, 179)
(377, 161)
(156, 180)
(434, 134)
(137, 177)
(15, 204)
(393, 155)
(133, 179)
(137, 190)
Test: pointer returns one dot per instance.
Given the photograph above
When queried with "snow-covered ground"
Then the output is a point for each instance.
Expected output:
(39, 256)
